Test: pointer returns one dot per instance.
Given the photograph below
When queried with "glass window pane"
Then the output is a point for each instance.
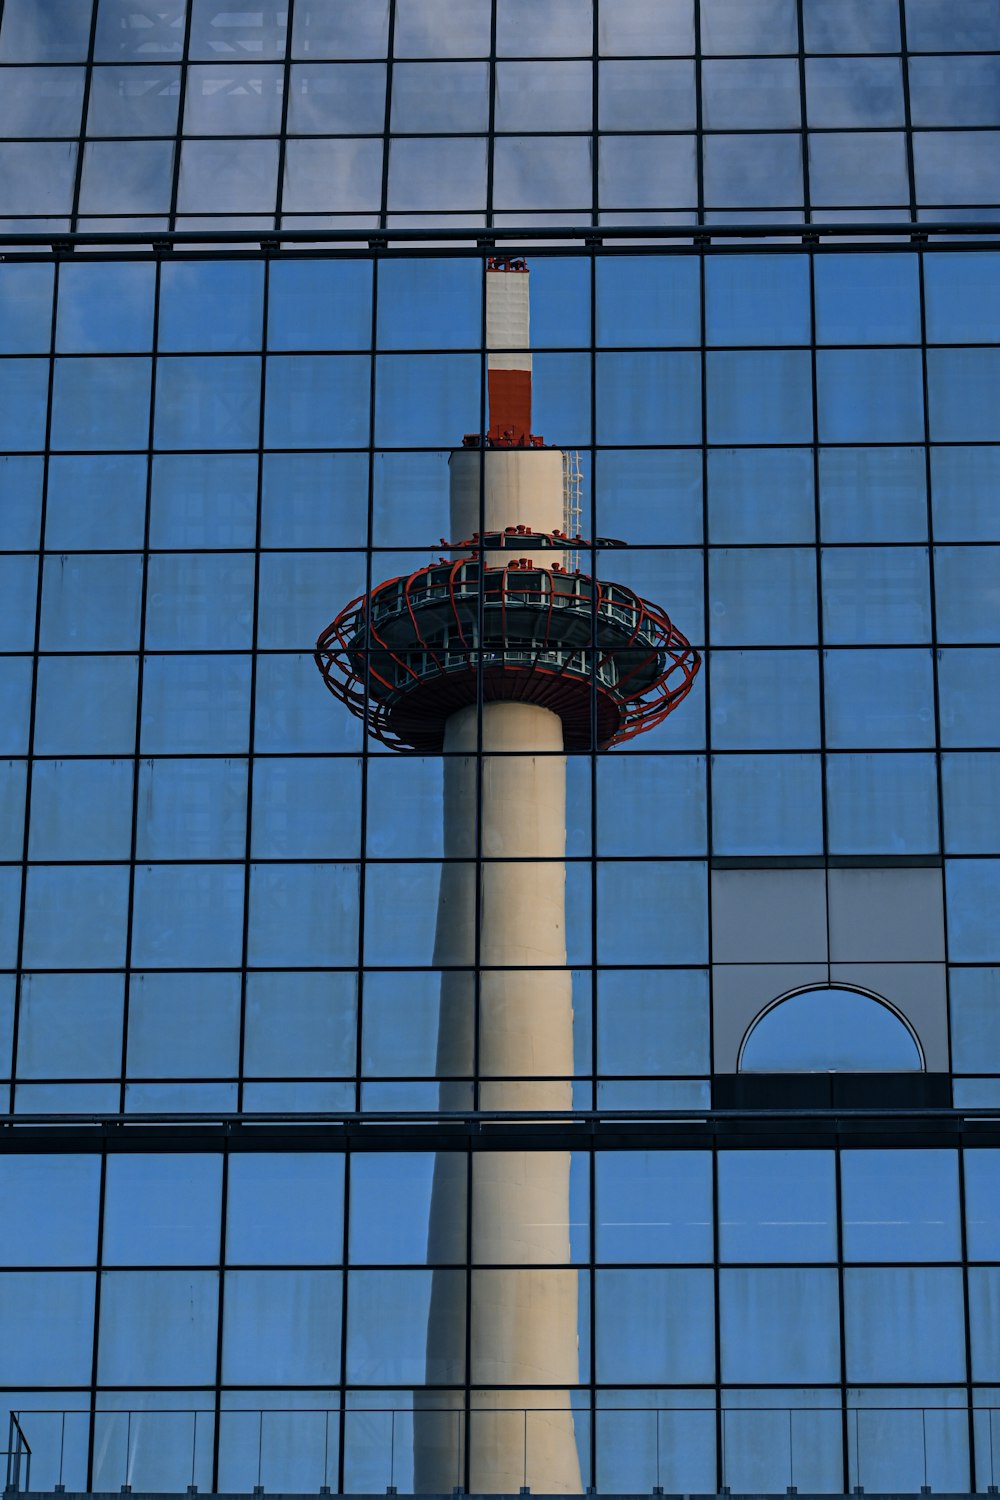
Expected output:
(37, 177)
(766, 804)
(58, 33)
(127, 177)
(655, 1325)
(437, 173)
(46, 1326)
(20, 516)
(873, 494)
(779, 1325)
(653, 1206)
(231, 98)
(632, 897)
(25, 308)
(959, 384)
(332, 176)
(239, 176)
(968, 608)
(56, 1200)
(648, 398)
(528, 1207)
(763, 597)
(191, 809)
(879, 699)
(387, 1327)
(41, 101)
(336, 97)
(90, 602)
(22, 403)
(760, 495)
(121, 33)
(882, 804)
(207, 402)
(95, 500)
(162, 1210)
(759, 299)
(81, 809)
(183, 1026)
(126, 100)
(982, 1203)
(195, 705)
(764, 699)
(300, 1025)
(158, 1327)
(752, 170)
(763, 397)
(854, 91)
(316, 401)
(203, 500)
(429, 304)
(777, 1205)
(965, 485)
(526, 30)
(531, 172)
(303, 914)
(440, 96)
(86, 704)
(887, 1313)
(210, 305)
(340, 28)
(436, 28)
(851, 25)
(319, 304)
(199, 602)
(188, 915)
(829, 1030)
(858, 167)
(646, 94)
(900, 1205)
(872, 395)
(867, 299)
(285, 1207)
(954, 90)
(874, 594)
(762, 92)
(75, 916)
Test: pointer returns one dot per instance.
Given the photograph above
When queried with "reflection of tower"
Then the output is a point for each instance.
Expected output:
(502, 651)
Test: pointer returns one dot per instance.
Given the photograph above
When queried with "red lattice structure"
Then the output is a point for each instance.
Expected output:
(406, 656)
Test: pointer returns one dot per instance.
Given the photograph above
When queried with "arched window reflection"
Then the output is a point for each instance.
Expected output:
(830, 1029)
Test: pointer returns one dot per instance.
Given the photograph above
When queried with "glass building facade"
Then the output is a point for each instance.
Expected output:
(243, 331)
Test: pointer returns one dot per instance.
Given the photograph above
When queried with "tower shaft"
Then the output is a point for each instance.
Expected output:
(524, 1312)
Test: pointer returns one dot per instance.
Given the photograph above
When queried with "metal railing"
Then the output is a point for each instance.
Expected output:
(18, 1458)
(639, 1449)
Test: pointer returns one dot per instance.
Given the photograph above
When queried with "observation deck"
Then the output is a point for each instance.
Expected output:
(609, 663)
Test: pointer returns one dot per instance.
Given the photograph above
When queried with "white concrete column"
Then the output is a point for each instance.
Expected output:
(524, 1321)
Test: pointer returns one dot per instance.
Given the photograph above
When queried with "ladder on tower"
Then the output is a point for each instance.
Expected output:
(572, 502)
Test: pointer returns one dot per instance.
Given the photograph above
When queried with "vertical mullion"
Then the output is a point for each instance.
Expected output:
(845, 1431)
(74, 216)
(491, 122)
(803, 132)
(179, 135)
(362, 851)
(252, 716)
(283, 132)
(387, 118)
(217, 1394)
(140, 667)
(92, 1399)
(32, 712)
(820, 637)
(345, 1242)
(699, 136)
(904, 67)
